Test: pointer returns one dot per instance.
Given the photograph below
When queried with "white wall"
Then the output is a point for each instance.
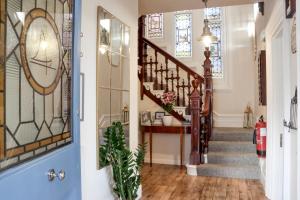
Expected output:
(95, 183)
(230, 101)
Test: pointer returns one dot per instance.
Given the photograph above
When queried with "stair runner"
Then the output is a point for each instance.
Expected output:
(231, 154)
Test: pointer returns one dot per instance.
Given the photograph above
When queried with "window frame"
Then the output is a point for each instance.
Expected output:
(161, 26)
(221, 42)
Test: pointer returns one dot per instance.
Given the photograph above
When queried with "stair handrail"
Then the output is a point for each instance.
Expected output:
(174, 60)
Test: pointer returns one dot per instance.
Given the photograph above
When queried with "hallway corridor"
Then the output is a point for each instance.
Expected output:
(164, 182)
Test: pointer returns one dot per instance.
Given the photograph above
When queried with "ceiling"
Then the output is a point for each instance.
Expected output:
(157, 6)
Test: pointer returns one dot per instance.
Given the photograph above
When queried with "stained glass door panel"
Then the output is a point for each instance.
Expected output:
(37, 63)
(36, 75)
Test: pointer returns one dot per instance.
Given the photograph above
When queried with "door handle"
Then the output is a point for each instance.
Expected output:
(61, 175)
(52, 175)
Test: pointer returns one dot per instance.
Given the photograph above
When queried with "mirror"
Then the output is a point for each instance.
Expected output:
(112, 74)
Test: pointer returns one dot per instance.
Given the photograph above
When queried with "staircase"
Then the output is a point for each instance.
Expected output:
(160, 72)
(231, 154)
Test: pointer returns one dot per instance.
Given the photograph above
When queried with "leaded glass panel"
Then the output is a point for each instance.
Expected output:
(35, 78)
(183, 37)
(155, 25)
(214, 15)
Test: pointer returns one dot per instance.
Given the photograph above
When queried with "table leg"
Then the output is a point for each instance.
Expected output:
(150, 141)
(143, 136)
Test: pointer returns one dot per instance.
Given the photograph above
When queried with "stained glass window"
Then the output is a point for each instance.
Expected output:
(155, 25)
(183, 37)
(35, 78)
(214, 16)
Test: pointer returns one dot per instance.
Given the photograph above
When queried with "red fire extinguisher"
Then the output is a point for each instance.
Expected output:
(260, 137)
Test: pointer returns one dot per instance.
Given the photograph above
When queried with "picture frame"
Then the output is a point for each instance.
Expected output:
(290, 8)
(159, 115)
(145, 118)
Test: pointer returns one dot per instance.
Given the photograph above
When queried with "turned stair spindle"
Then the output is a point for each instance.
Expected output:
(177, 77)
(156, 67)
(167, 75)
(151, 69)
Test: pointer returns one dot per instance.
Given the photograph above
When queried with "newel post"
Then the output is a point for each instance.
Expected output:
(141, 34)
(195, 156)
(208, 91)
(207, 70)
(141, 53)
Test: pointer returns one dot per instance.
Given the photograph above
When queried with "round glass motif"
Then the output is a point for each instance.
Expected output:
(41, 51)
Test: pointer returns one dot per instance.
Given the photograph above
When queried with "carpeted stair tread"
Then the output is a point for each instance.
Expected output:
(231, 146)
(229, 171)
(231, 154)
(233, 130)
(230, 134)
(237, 158)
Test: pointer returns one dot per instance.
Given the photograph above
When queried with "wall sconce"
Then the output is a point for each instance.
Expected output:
(125, 111)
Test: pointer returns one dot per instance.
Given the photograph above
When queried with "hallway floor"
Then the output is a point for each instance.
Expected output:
(164, 182)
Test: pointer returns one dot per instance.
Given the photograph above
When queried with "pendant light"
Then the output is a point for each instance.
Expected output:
(105, 35)
(207, 37)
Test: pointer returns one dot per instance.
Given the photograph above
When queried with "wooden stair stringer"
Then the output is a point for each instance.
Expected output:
(160, 103)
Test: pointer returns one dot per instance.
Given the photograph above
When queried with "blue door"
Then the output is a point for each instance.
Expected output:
(39, 100)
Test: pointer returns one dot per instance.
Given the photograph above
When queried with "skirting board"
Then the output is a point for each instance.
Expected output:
(228, 120)
(165, 161)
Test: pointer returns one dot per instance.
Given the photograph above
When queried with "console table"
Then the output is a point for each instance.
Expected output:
(181, 130)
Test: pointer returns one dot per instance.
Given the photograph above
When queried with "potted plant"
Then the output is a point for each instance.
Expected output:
(126, 166)
(168, 100)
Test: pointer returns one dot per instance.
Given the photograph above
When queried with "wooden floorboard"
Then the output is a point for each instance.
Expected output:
(168, 182)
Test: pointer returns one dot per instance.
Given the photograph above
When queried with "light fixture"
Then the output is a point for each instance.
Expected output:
(104, 35)
(207, 37)
(104, 41)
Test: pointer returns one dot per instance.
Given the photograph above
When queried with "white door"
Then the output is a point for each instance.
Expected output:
(275, 117)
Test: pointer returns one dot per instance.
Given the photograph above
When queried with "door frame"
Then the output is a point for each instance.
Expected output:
(74, 109)
(273, 30)
(298, 86)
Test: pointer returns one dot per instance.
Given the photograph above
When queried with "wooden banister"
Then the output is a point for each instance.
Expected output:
(207, 101)
(172, 59)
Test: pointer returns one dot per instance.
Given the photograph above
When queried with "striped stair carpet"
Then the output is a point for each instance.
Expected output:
(231, 154)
